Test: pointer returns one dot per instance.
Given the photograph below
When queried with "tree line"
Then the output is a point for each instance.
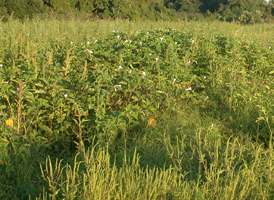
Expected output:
(246, 11)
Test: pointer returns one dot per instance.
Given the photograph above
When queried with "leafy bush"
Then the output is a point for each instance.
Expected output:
(251, 17)
(25, 8)
(110, 87)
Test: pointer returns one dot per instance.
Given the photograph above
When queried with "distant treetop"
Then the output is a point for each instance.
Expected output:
(227, 10)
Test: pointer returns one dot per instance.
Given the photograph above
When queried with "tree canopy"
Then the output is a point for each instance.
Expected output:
(141, 9)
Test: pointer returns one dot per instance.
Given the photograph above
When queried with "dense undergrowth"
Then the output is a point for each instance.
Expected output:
(135, 112)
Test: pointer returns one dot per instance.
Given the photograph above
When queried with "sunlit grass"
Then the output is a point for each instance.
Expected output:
(77, 29)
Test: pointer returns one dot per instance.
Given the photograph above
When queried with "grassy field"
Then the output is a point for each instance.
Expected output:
(136, 110)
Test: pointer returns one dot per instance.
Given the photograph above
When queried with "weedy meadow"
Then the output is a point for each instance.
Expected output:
(136, 110)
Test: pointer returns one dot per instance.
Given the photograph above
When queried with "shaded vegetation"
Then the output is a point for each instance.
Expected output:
(227, 10)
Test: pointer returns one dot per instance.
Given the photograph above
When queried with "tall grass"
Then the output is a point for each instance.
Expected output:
(76, 29)
(205, 166)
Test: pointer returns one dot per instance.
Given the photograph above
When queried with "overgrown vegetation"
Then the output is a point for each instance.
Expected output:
(134, 110)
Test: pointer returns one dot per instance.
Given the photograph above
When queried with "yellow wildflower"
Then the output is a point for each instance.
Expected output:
(152, 122)
(9, 122)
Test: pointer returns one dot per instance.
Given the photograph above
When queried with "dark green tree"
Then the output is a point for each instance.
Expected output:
(155, 10)
(212, 5)
(24, 8)
(189, 6)
(233, 9)
(3, 10)
(238, 7)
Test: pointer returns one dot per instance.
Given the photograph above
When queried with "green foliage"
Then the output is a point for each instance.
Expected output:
(251, 17)
(192, 6)
(24, 8)
(233, 10)
(103, 9)
(173, 112)
(135, 10)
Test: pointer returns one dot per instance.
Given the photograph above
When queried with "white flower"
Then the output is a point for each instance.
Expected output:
(161, 39)
(18, 89)
(95, 41)
(113, 31)
(144, 73)
(204, 77)
(150, 54)
(189, 61)
(189, 88)
(90, 51)
(147, 32)
(141, 43)
(269, 47)
(137, 31)
(71, 42)
(118, 36)
(174, 80)
(130, 41)
(212, 125)
(65, 95)
(175, 42)
(130, 71)
(116, 86)
(156, 59)
(88, 42)
(207, 97)
(126, 41)
(120, 67)
(1, 65)
(82, 43)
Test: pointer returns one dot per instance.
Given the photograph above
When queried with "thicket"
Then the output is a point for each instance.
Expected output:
(227, 10)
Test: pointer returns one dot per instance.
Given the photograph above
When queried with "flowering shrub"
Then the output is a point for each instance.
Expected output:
(108, 87)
